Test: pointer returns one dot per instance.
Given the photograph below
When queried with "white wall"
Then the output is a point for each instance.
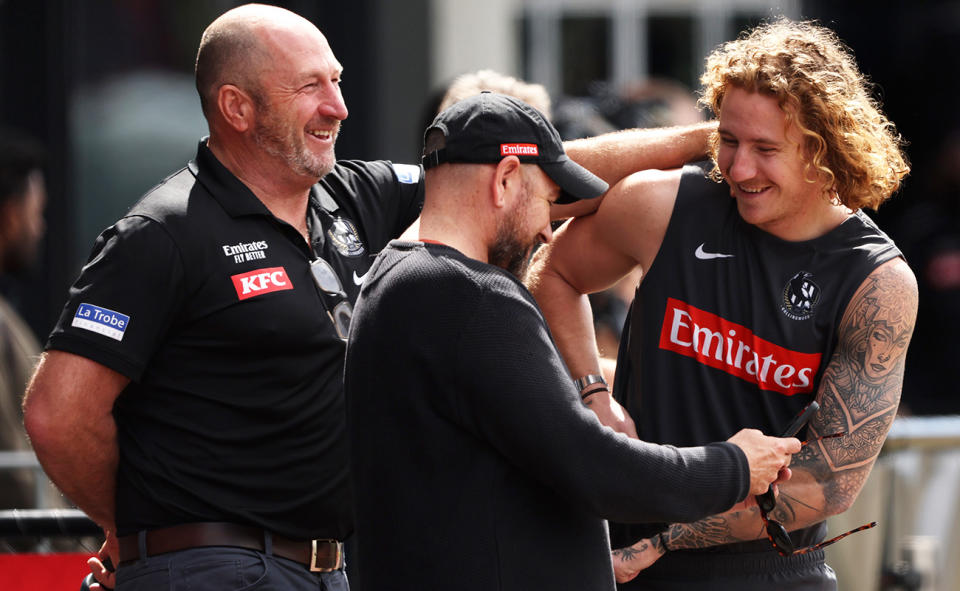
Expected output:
(469, 35)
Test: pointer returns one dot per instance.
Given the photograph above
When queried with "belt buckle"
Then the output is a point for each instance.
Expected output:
(337, 563)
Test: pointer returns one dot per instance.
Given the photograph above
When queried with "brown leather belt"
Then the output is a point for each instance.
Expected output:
(318, 555)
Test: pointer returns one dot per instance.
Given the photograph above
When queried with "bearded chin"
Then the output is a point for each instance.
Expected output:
(273, 140)
(510, 255)
(315, 166)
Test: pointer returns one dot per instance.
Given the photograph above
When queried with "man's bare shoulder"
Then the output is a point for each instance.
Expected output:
(637, 210)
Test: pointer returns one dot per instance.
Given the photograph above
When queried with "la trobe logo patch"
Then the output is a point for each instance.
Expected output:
(800, 296)
(109, 323)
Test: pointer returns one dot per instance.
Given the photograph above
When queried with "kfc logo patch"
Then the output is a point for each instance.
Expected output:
(261, 281)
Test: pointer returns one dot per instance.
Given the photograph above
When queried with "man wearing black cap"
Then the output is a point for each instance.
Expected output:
(475, 463)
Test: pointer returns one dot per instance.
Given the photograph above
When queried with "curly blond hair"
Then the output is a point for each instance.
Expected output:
(814, 77)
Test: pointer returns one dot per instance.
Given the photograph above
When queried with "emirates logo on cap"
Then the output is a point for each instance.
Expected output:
(519, 150)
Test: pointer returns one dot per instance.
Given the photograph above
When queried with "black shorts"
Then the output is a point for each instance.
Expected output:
(767, 571)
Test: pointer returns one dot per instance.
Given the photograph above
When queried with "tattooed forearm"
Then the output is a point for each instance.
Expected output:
(706, 532)
(657, 542)
(631, 552)
(842, 489)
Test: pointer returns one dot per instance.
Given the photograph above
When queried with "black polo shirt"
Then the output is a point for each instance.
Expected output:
(206, 302)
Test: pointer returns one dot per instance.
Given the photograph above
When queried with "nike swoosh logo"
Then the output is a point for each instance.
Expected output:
(358, 279)
(705, 256)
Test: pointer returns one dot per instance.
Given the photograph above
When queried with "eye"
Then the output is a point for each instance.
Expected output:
(727, 141)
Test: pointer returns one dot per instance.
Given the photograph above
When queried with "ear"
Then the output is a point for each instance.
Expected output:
(507, 181)
(236, 107)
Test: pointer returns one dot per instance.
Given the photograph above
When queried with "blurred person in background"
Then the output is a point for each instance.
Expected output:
(22, 201)
(752, 306)
(472, 83)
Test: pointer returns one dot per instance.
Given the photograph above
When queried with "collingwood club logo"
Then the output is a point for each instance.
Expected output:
(800, 296)
(345, 238)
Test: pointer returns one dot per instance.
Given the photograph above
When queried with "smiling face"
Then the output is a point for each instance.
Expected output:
(761, 159)
(299, 105)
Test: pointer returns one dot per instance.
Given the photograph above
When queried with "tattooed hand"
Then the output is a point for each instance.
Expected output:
(629, 561)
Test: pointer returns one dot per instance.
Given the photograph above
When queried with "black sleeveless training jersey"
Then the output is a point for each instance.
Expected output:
(733, 328)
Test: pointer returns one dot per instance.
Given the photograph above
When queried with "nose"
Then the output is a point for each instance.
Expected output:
(741, 166)
(546, 233)
(333, 105)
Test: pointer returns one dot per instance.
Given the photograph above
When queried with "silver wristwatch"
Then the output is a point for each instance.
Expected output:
(589, 380)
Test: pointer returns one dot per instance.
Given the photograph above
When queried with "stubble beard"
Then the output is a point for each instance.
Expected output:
(510, 251)
(282, 141)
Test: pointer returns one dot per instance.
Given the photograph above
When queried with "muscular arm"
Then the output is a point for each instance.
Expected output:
(858, 395)
(68, 413)
(613, 156)
(590, 254)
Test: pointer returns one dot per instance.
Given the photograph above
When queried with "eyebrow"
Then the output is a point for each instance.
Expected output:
(755, 139)
(322, 74)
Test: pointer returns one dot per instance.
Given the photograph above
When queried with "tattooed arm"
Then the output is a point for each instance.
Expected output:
(629, 561)
(858, 395)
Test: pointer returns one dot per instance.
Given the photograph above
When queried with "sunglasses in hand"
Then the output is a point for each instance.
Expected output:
(767, 501)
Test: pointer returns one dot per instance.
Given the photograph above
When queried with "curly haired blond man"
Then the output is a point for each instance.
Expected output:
(764, 287)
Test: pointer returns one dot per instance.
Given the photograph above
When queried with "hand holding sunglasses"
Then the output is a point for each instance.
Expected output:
(767, 501)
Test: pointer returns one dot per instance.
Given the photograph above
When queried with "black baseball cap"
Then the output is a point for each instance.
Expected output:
(487, 127)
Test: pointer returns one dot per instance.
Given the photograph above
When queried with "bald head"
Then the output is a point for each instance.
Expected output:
(236, 49)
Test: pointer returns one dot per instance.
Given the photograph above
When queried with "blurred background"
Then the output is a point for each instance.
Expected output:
(106, 86)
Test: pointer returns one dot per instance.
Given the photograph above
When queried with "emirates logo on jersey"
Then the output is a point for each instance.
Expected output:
(733, 348)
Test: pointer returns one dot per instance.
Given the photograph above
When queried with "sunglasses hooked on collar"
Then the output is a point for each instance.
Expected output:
(340, 311)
